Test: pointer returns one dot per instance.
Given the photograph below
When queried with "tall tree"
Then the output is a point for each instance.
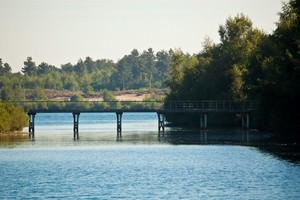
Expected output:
(163, 59)
(45, 68)
(29, 68)
(238, 42)
(4, 68)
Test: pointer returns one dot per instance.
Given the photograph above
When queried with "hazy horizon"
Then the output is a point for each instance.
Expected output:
(62, 31)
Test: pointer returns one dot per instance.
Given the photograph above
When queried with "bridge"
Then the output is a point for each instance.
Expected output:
(119, 107)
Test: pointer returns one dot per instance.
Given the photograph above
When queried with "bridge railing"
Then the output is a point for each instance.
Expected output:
(211, 106)
(172, 106)
(88, 106)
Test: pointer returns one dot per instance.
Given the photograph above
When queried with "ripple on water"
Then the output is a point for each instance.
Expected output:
(147, 172)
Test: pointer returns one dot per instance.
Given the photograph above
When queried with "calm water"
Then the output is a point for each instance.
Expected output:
(141, 165)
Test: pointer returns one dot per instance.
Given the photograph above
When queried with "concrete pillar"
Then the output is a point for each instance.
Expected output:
(161, 122)
(245, 121)
(76, 125)
(203, 136)
(203, 121)
(119, 123)
(31, 124)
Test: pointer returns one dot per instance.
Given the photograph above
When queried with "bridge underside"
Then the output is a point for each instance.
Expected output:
(245, 117)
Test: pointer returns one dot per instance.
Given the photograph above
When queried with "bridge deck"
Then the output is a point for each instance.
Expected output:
(165, 111)
(138, 106)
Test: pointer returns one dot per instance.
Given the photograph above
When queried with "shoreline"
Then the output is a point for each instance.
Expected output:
(13, 133)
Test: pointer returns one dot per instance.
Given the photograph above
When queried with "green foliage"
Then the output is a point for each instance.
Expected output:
(133, 71)
(247, 64)
(108, 96)
(145, 70)
(29, 68)
(38, 94)
(4, 68)
(75, 98)
(11, 87)
(12, 118)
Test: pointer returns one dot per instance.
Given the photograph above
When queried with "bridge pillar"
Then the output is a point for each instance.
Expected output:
(203, 121)
(245, 121)
(119, 123)
(31, 124)
(76, 125)
(203, 136)
(161, 122)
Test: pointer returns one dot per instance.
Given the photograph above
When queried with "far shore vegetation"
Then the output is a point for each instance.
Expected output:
(247, 64)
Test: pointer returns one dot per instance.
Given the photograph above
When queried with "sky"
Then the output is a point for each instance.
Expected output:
(62, 31)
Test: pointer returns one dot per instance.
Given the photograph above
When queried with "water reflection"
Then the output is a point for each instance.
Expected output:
(241, 137)
(289, 152)
(11, 141)
(261, 140)
(171, 136)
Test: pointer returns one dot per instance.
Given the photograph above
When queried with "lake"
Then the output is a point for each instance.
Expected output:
(180, 164)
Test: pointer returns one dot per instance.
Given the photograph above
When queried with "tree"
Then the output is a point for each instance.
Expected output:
(147, 67)
(108, 96)
(176, 70)
(44, 68)
(162, 66)
(280, 88)
(4, 68)
(29, 68)
(239, 41)
(76, 98)
(125, 73)
(38, 94)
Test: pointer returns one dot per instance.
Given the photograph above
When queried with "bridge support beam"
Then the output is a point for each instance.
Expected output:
(119, 123)
(245, 121)
(31, 124)
(203, 121)
(161, 122)
(76, 125)
(203, 136)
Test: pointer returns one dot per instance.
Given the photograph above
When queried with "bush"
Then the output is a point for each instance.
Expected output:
(12, 118)
(75, 98)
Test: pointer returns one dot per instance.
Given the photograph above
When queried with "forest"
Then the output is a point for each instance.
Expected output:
(134, 71)
(247, 64)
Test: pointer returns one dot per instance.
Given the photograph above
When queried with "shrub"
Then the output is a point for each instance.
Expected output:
(12, 117)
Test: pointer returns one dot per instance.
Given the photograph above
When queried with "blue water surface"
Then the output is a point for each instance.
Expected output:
(100, 167)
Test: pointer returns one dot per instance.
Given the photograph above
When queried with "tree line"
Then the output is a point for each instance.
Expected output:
(247, 64)
(134, 71)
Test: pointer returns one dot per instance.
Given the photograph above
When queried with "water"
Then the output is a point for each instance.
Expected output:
(141, 165)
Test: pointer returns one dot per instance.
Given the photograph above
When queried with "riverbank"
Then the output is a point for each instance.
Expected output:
(13, 133)
(11, 138)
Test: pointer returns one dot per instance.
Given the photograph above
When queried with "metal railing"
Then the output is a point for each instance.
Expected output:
(89, 106)
(211, 106)
(136, 106)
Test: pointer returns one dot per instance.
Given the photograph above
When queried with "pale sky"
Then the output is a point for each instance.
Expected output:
(62, 31)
